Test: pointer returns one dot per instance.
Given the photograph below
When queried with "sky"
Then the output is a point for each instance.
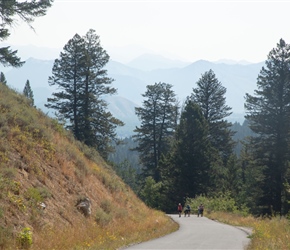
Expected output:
(181, 30)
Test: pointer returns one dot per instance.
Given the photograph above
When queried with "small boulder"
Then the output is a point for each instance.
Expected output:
(84, 206)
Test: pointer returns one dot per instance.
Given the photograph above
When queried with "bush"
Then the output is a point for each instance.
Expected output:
(222, 202)
(36, 195)
(102, 218)
(25, 238)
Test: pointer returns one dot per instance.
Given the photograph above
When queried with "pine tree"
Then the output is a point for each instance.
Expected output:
(268, 112)
(27, 91)
(251, 180)
(9, 11)
(98, 125)
(3, 78)
(81, 77)
(158, 123)
(187, 167)
(68, 77)
(210, 96)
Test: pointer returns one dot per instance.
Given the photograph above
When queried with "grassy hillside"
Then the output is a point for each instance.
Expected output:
(42, 165)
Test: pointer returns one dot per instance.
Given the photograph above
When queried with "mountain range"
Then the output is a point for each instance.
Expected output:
(131, 79)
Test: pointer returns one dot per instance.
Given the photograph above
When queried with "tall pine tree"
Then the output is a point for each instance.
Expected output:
(185, 171)
(98, 125)
(83, 81)
(268, 112)
(67, 75)
(158, 123)
(210, 96)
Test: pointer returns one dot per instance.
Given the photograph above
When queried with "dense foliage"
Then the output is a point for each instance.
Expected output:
(209, 156)
(186, 171)
(268, 112)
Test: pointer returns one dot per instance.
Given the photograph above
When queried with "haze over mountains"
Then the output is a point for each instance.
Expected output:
(132, 78)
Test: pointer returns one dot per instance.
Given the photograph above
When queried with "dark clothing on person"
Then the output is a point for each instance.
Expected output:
(179, 209)
(187, 211)
(200, 210)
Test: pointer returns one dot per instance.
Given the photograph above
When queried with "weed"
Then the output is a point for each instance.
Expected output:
(106, 206)
(8, 173)
(36, 195)
(102, 218)
(25, 238)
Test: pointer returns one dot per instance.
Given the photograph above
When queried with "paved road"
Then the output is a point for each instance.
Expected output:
(199, 233)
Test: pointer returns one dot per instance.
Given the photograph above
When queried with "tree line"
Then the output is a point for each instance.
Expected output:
(191, 149)
(184, 150)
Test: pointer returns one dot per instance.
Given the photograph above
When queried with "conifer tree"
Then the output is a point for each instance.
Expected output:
(185, 171)
(210, 96)
(67, 75)
(27, 91)
(98, 125)
(268, 113)
(3, 78)
(9, 11)
(158, 123)
(251, 180)
(82, 80)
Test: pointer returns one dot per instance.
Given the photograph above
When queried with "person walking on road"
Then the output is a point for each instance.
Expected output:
(187, 211)
(179, 209)
(200, 210)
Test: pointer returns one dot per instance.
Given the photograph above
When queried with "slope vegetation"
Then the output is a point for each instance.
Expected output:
(45, 174)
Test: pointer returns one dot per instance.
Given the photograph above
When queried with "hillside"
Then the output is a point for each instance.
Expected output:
(45, 174)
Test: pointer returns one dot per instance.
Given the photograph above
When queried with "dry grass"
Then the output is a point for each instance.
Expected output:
(115, 235)
(41, 162)
(267, 234)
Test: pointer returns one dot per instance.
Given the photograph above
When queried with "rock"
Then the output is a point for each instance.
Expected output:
(84, 206)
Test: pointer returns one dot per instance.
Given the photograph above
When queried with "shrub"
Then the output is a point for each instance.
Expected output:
(222, 202)
(106, 206)
(8, 173)
(25, 238)
(102, 218)
(36, 195)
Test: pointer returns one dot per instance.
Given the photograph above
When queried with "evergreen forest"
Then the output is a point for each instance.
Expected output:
(189, 150)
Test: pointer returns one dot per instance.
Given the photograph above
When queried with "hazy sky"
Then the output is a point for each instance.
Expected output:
(186, 30)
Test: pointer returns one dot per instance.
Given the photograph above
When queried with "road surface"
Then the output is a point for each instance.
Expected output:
(199, 233)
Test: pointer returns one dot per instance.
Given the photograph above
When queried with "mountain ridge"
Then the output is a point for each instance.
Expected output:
(131, 82)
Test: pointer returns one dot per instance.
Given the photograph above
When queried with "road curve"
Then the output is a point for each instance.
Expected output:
(199, 233)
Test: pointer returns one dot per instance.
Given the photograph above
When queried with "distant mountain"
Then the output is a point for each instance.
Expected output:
(131, 83)
(27, 51)
(124, 110)
(37, 72)
(150, 62)
(238, 80)
(228, 61)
